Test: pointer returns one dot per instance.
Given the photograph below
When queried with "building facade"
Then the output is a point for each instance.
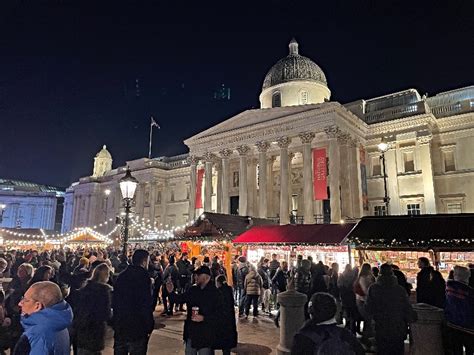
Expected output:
(30, 205)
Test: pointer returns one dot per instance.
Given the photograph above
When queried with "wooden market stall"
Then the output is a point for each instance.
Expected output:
(446, 239)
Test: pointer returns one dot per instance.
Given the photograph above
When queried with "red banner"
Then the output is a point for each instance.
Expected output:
(320, 190)
(200, 175)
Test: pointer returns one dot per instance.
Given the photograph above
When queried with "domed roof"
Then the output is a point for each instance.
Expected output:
(294, 67)
(104, 153)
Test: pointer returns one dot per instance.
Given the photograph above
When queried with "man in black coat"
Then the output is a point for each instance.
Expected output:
(203, 305)
(430, 285)
(133, 307)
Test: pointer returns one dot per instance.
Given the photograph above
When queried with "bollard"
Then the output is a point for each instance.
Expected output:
(427, 330)
(291, 317)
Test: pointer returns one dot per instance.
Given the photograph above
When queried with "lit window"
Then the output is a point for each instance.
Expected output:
(454, 207)
(449, 164)
(413, 209)
(376, 167)
(380, 210)
(304, 97)
(408, 162)
(276, 100)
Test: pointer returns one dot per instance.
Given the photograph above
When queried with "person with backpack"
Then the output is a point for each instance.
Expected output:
(253, 285)
(170, 274)
(320, 334)
(430, 285)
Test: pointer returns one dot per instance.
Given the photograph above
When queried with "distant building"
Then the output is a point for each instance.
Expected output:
(30, 205)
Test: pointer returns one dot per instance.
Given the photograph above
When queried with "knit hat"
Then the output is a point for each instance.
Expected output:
(322, 307)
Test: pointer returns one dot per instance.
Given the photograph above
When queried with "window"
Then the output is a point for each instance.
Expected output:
(454, 207)
(158, 197)
(413, 209)
(276, 99)
(449, 164)
(303, 97)
(172, 195)
(380, 210)
(376, 167)
(408, 162)
(235, 179)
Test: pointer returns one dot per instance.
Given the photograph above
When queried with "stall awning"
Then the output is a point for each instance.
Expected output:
(441, 231)
(315, 234)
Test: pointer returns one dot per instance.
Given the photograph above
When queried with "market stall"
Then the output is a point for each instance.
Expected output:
(446, 239)
(323, 242)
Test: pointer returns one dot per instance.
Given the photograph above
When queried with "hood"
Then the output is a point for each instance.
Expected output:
(49, 320)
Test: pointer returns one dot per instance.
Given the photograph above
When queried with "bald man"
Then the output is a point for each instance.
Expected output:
(45, 317)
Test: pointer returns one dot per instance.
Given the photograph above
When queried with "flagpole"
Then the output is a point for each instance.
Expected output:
(151, 136)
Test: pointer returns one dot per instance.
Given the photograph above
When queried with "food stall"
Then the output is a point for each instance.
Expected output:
(445, 239)
(323, 242)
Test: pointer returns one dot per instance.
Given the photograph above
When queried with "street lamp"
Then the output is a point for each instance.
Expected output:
(383, 147)
(128, 185)
(2, 209)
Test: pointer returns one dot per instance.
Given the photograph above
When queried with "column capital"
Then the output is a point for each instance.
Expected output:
(192, 160)
(344, 138)
(354, 142)
(424, 139)
(332, 131)
(262, 146)
(243, 150)
(209, 157)
(307, 137)
(225, 153)
(283, 142)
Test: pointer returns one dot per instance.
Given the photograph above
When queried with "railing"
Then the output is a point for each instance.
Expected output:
(395, 112)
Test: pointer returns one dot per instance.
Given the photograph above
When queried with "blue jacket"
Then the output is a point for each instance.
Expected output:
(459, 308)
(46, 331)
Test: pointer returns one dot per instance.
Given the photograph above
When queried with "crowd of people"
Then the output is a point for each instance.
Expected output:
(63, 300)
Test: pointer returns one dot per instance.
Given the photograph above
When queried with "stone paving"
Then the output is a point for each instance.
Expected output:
(257, 336)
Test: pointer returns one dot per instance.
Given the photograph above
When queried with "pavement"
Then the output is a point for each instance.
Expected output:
(257, 336)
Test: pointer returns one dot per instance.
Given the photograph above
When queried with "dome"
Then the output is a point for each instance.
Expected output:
(104, 153)
(294, 67)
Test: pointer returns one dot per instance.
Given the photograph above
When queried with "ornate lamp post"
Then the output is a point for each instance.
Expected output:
(2, 209)
(128, 185)
(383, 147)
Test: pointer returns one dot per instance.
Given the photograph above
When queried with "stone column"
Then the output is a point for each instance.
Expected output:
(345, 177)
(262, 148)
(218, 168)
(392, 181)
(332, 133)
(209, 159)
(283, 143)
(270, 203)
(192, 160)
(152, 202)
(424, 142)
(291, 317)
(243, 190)
(225, 202)
(308, 214)
(355, 179)
(427, 330)
(251, 186)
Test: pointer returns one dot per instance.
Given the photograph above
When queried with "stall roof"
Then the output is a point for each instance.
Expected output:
(317, 234)
(441, 231)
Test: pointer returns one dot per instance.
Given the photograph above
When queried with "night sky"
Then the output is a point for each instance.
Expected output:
(68, 69)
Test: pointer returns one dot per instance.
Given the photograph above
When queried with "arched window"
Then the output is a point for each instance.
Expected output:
(276, 99)
(303, 97)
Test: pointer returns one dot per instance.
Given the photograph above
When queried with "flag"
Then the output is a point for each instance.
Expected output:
(153, 123)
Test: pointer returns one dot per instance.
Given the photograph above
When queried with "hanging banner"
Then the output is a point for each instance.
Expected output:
(320, 190)
(200, 175)
(363, 178)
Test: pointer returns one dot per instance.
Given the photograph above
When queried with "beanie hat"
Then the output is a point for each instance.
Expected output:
(322, 307)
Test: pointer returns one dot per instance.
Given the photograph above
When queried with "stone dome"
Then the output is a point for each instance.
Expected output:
(104, 153)
(294, 67)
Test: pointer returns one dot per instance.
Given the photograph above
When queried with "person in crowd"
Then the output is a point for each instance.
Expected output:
(184, 269)
(92, 312)
(235, 279)
(5, 323)
(253, 285)
(387, 303)
(318, 279)
(320, 334)
(375, 271)
(280, 282)
(303, 281)
(206, 261)
(272, 268)
(345, 283)
(132, 305)
(430, 285)
(204, 309)
(171, 273)
(402, 279)
(226, 336)
(459, 312)
(123, 264)
(82, 267)
(264, 273)
(242, 272)
(45, 319)
(114, 260)
(333, 289)
(43, 273)
(216, 270)
(3, 267)
(471, 279)
(361, 288)
(156, 273)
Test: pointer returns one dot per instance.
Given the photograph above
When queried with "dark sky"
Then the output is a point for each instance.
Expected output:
(68, 68)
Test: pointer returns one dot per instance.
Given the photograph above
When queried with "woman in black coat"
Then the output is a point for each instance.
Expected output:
(227, 329)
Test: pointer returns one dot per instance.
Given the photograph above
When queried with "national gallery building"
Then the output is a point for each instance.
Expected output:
(304, 158)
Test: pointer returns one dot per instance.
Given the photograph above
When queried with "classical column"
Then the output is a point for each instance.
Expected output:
(346, 197)
(392, 181)
(192, 160)
(209, 159)
(332, 133)
(152, 202)
(306, 139)
(224, 173)
(270, 192)
(424, 143)
(218, 167)
(283, 143)
(262, 148)
(243, 190)
(252, 187)
(355, 178)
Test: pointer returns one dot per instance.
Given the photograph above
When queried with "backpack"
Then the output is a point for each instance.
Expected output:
(329, 342)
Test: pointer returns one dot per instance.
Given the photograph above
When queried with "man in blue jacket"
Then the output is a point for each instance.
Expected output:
(45, 317)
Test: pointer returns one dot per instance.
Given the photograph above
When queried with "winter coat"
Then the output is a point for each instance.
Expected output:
(132, 304)
(302, 281)
(265, 275)
(253, 283)
(280, 280)
(202, 334)
(430, 287)
(365, 282)
(171, 272)
(388, 304)
(226, 333)
(91, 314)
(273, 267)
(402, 281)
(459, 310)
(318, 284)
(242, 272)
(345, 283)
(46, 331)
(184, 270)
(325, 339)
